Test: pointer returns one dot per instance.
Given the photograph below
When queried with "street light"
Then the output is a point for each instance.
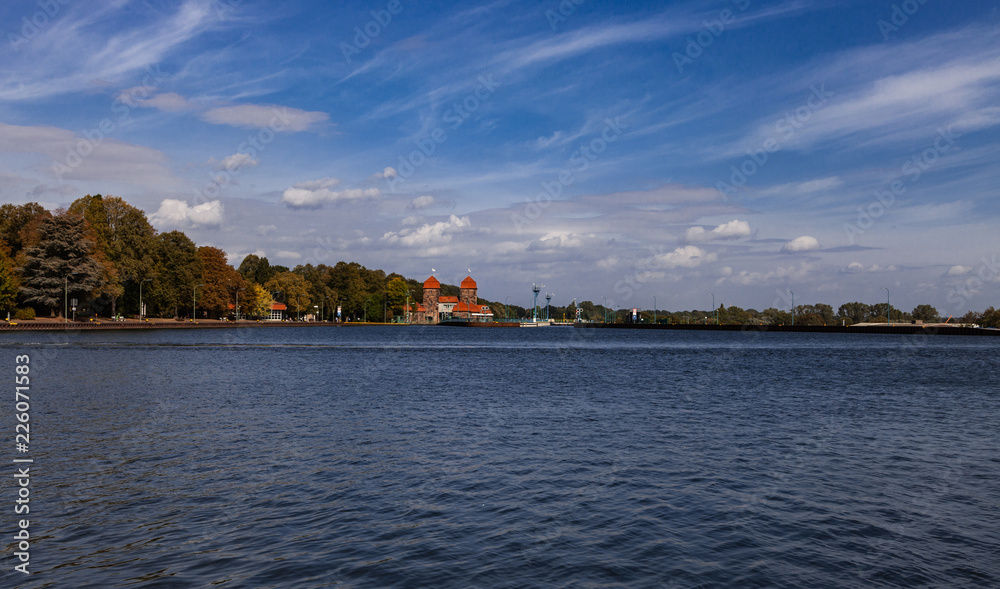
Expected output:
(654, 309)
(140, 295)
(793, 306)
(888, 308)
(238, 303)
(194, 302)
(66, 296)
(317, 308)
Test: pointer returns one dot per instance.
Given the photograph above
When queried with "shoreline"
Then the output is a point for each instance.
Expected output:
(50, 325)
(901, 329)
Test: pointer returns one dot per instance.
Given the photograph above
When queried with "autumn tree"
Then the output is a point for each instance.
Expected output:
(220, 281)
(62, 265)
(294, 290)
(9, 284)
(18, 223)
(255, 301)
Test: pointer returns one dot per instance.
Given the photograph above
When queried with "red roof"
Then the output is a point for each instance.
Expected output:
(432, 283)
(419, 309)
(278, 306)
(448, 300)
(467, 308)
(468, 282)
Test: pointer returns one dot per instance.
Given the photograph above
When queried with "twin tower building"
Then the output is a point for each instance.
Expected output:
(436, 308)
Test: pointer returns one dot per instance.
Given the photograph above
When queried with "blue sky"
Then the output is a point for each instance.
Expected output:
(744, 148)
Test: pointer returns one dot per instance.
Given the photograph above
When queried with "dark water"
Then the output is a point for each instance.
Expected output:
(447, 457)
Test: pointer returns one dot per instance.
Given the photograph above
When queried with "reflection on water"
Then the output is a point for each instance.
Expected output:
(374, 457)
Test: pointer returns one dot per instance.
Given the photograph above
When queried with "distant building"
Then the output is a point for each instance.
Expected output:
(437, 308)
(277, 311)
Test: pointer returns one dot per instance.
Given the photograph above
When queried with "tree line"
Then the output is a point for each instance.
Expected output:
(104, 253)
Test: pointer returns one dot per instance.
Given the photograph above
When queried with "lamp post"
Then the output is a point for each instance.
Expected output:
(194, 302)
(654, 309)
(140, 295)
(888, 308)
(317, 309)
(714, 312)
(238, 303)
(66, 297)
(793, 306)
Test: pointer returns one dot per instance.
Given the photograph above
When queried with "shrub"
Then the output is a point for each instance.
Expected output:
(24, 314)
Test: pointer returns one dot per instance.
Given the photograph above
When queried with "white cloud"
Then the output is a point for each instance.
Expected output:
(235, 162)
(731, 230)
(959, 270)
(259, 116)
(287, 255)
(389, 173)
(801, 244)
(316, 193)
(175, 213)
(422, 202)
(439, 233)
(263, 230)
(688, 256)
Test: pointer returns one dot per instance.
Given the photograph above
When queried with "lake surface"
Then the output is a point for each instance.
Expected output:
(450, 457)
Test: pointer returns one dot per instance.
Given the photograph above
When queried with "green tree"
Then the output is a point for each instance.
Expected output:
(178, 269)
(990, 318)
(257, 269)
(926, 313)
(126, 238)
(62, 264)
(854, 312)
(396, 291)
